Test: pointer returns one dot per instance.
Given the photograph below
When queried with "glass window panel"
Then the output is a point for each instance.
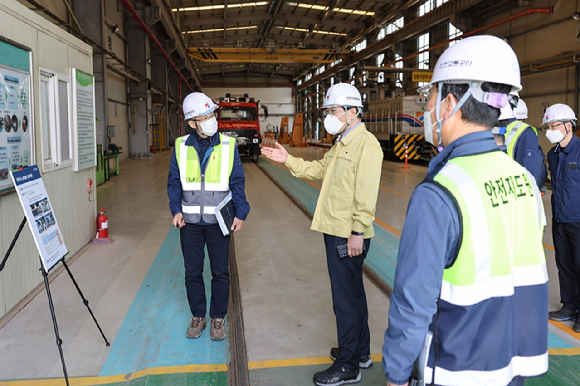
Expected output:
(64, 121)
(45, 117)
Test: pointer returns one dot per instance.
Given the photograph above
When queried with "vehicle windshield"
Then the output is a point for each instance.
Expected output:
(237, 113)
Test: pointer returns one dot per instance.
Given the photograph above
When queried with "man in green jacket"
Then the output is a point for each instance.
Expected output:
(345, 212)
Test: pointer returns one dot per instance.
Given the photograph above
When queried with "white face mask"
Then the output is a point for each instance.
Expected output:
(208, 127)
(428, 126)
(554, 136)
(332, 124)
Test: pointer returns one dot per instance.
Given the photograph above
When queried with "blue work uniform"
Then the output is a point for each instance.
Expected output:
(430, 242)
(565, 176)
(195, 237)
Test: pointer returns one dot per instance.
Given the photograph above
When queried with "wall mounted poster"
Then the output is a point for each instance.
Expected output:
(15, 122)
(40, 216)
(84, 120)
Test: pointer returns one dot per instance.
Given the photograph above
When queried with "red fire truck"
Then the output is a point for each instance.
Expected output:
(238, 117)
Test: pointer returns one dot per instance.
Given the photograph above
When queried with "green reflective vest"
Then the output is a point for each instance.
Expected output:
(501, 250)
(195, 201)
(513, 132)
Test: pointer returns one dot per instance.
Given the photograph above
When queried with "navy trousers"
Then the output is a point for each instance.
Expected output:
(349, 302)
(194, 238)
(566, 238)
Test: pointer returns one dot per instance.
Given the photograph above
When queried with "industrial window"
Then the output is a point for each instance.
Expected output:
(351, 75)
(426, 7)
(381, 75)
(361, 46)
(429, 5)
(453, 33)
(399, 64)
(423, 58)
(55, 120)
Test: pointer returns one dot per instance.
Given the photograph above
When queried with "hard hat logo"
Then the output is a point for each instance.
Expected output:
(456, 63)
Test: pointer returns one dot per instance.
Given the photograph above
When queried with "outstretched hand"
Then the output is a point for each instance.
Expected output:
(278, 154)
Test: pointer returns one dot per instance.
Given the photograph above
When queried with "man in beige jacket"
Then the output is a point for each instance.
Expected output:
(345, 212)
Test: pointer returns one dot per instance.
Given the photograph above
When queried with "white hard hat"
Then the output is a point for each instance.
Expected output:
(342, 94)
(196, 104)
(521, 110)
(558, 112)
(483, 58)
(506, 112)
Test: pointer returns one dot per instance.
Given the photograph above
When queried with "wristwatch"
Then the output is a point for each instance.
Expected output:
(356, 233)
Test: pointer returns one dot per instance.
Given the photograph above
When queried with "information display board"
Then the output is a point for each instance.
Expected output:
(84, 120)
(40, 216)
(15, 122)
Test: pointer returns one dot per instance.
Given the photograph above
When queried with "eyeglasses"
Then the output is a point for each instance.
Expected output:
(336, 113)
(203, 118)
(553, 127)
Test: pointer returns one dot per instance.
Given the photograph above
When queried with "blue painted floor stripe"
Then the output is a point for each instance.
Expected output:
(382, 255)
(555, 341)
(153, 331)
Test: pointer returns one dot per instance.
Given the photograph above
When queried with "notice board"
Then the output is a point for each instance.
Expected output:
(15, 119)
(40, 215)
(85, 137)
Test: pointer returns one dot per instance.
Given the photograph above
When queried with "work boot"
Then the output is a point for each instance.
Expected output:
(336, 376)
(364, 362)
(196, 326)
(577, 325)
(563, 314)
(218, 329)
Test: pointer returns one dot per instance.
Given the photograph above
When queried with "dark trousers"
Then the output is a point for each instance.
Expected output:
(194, 238)
(349, 302)
(566, 238)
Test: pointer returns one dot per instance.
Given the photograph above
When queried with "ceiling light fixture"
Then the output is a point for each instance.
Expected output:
(221, 6)
(219, 29)
(576, 16)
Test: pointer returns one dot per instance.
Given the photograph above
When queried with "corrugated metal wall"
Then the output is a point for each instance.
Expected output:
(75, 210)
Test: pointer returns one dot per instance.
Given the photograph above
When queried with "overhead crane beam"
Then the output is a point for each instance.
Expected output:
(189, 24)
(264, 55)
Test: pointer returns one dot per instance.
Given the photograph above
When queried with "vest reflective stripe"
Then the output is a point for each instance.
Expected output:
(493, 287)
(196, 209)
(513, 132)
(522, 366)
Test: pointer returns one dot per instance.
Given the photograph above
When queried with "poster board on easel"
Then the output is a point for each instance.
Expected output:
(15, 110)
(39, 215)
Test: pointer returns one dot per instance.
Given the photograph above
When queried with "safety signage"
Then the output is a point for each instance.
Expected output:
(421, 76)
(40, 215)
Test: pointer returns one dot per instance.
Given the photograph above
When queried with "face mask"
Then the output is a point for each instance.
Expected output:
(332, 124)
(428, 126)
(554, 136)
(208, 127)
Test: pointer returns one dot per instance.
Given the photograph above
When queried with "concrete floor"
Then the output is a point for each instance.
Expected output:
(287, 312)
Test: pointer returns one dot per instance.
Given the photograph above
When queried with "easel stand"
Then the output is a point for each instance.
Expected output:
(50, 304)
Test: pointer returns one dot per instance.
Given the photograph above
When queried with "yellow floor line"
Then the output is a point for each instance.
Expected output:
(392, 191)
(87, 381)
(567, 329)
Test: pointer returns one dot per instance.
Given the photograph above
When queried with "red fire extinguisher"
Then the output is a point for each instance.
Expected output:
(102, 225)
